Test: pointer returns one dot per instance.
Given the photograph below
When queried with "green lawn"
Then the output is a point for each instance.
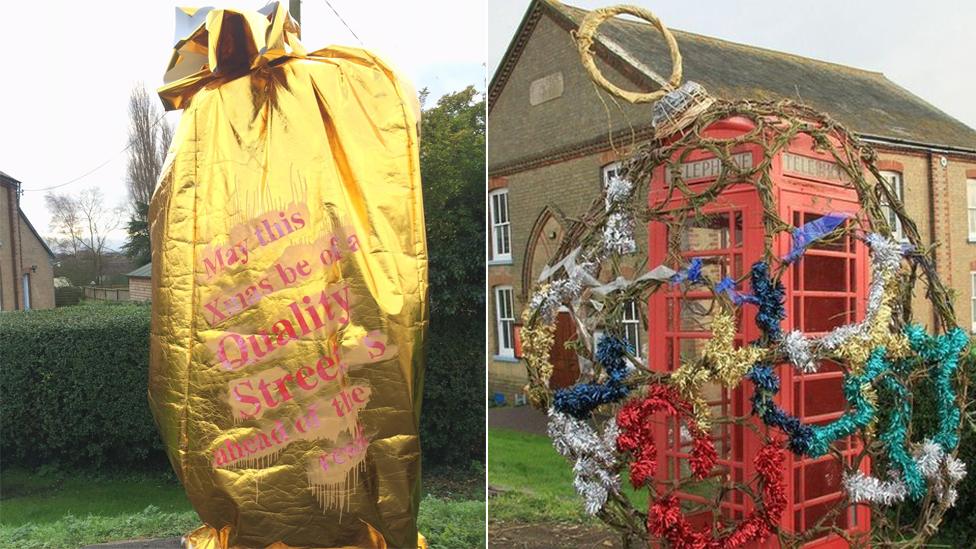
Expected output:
(67, 511)
(537, 482)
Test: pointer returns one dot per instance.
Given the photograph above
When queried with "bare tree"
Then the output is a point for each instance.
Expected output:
(149, 139)
(83, 223)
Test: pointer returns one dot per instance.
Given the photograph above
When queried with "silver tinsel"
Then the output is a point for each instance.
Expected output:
(618, 234)
(806, 353)
(797, 348)
(548, 300)
(863, 488)
(618, 191)
(930, 458)
(595, 457)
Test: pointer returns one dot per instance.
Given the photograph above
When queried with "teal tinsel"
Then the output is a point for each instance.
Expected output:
(860, 411)
(896, 434)
(942, 352)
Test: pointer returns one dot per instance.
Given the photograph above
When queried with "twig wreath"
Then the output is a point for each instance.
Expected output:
(603, 422)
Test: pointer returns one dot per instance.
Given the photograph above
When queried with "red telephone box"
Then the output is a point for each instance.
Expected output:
(826, 288)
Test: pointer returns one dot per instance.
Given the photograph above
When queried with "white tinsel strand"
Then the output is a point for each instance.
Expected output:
(594, 455)
(863, 488)
(797, 348)
(618, 191)
(804, 353)
(618, 234)
(930, 458)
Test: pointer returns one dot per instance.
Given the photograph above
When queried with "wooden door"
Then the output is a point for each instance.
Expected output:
(565, 363)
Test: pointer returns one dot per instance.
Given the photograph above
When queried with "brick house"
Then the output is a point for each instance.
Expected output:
(140, 283)
(26, 261)
(554, 140)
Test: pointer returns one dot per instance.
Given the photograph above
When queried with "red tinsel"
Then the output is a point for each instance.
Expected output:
(666, 520)
(637, 434)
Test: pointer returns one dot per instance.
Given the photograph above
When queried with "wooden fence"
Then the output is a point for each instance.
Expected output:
(106, 294)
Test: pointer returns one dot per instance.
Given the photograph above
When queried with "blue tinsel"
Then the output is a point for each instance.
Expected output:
(727, 286)
(581, 399)
(811, 232)
(692, 273)
(770, 296)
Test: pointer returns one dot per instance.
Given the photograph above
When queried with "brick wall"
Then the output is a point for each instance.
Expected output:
(19, 251)
(140, 289)
(962, 252)
(42, 278)
(8, 267)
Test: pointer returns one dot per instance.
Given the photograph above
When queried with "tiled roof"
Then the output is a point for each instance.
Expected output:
(142, 272)
(865, 101)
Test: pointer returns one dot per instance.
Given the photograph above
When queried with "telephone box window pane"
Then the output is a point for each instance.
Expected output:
(823, 396)
(822, 314)
(812, 514)
(696, 314)
(691, 349)
(820, 273)
(738, 229)
(708, 233)
(837, 244)
(797, 486)
(715, 267)
(822, 478)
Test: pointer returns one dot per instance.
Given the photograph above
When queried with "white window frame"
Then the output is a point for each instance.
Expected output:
(896, 183)
(631, 320)
(972, 301)
(501, 225)
(971, 207)
(505, 320)
(608, 172)
(26, 287)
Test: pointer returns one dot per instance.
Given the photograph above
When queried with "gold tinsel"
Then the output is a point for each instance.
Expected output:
(856, 350)
(537, 340)
(720, 361)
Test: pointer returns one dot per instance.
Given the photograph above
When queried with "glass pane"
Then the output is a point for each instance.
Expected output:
(737, 221)
(822, 478)
(696, 314)
(971, 192)
(709, 233)
(691, 349)
(824, 273)
(838, 244)
(823, 396)
(824, 313)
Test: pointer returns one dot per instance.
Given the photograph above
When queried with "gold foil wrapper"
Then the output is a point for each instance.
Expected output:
(289, 289)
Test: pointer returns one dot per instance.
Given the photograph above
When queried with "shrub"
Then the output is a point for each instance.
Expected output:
(74, 386)
(74, 381)
(452, 422)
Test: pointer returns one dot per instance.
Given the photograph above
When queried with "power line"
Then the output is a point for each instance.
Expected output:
(95, 169)
(344, 22)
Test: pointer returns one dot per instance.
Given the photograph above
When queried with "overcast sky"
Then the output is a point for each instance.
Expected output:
(927, 47)
(69, 67)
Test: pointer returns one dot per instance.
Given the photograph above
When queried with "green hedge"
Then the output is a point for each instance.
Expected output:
(74, 380)
(74, 386)
(452, 422)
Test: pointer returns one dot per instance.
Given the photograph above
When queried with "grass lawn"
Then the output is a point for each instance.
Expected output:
(537, 482)
(57, 511)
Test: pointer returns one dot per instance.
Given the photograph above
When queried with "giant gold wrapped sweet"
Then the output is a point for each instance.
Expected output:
(289, 289)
